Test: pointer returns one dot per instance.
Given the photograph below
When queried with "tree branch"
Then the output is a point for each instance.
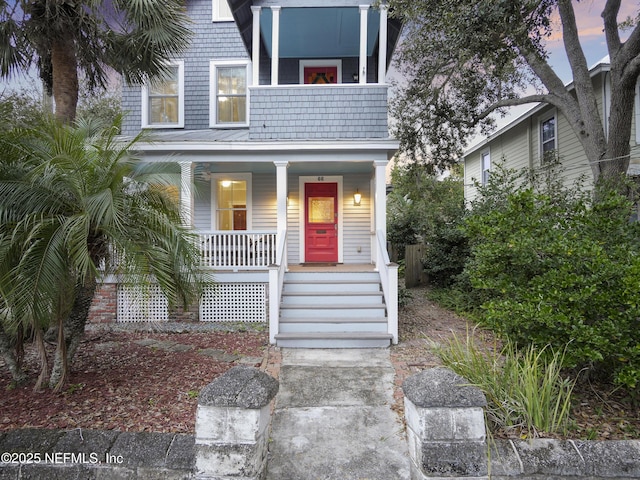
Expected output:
(514, 102)
(571, 40)
(610, 17)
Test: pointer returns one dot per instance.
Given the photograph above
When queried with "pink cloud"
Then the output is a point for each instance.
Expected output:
(588, 17)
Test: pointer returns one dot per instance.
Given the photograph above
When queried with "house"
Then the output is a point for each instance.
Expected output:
(541, 132)
(277, 117)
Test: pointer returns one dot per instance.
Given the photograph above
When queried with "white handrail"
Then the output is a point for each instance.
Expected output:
(276, 281)
(389, 279)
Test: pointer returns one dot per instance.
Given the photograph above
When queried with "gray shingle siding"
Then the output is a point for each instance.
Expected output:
(318, 112)
(211, 41)
(277, 113)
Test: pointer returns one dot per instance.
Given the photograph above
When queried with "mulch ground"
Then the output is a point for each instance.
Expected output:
(148, 381)
(130, 381)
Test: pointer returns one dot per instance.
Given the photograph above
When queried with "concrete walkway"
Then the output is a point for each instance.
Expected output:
(333, 418)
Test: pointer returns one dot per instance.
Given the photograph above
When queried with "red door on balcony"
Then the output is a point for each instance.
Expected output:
(321, 222)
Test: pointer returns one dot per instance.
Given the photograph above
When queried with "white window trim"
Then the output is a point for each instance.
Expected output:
(214, 196)
(484, 179)
(321, 63)
(145, 101)
(213, 88)
(215, 12)
(541, 120)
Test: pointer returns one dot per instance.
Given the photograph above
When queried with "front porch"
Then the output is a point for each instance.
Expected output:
(263, 209)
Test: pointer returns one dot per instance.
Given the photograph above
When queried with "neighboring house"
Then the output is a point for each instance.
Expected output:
(277, 116)
(541, 134)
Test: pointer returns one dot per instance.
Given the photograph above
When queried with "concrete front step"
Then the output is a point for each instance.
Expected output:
(314, 310)
(332, 298)
(362, 339)
(341, 325)
(332, 310)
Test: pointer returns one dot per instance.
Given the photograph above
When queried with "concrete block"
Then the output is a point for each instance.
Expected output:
(550, 457)
(441, 387)
(154, 453)
(245, 387)
(231, 460)
(504, 459)
(230, 424)
(444, 459)
(613, 458)
(446, 424)
(181, 454)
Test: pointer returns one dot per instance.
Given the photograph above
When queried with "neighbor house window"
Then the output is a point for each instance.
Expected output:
(486, 167)
(232, 199)
(548, 142)
(229, 94)
(221, 11)
(163, 100)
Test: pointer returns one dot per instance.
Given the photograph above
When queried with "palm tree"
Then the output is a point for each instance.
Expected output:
(75, 205)
(63, 37)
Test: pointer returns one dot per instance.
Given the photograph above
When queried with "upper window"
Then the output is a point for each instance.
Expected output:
(319, 72)
(548, 136)
(486, 167)
(229, 99)
(163, 100)
(232, 197)
(221, 11)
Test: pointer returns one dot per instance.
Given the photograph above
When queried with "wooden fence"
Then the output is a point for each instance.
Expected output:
(413, 270)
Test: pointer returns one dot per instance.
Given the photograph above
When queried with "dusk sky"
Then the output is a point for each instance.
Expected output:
(588, 15)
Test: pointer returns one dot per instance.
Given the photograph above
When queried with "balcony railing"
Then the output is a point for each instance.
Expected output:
(238, 249)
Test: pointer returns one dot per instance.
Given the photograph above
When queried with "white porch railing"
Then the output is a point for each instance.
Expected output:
(276, 281)
(389, 279)
(238, 249)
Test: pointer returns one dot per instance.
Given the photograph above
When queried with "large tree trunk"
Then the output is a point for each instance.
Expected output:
(613, 167)
(8, 353)
(70, 335)
(65, 78)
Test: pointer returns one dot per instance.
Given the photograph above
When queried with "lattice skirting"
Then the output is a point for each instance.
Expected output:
(137, 304)
(234, 302)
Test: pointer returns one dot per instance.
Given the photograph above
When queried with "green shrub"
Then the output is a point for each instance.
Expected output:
(446, 253)
(525, 388)
(561, 270)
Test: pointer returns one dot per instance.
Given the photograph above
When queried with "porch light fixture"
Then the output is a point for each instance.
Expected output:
(225, 183)
(357, 198)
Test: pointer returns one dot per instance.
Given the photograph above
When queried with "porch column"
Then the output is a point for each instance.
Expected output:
(281, 194)
(186, 192)
(275, 44)
(382, 45)
(364, 10)
(381, 198)
(255, 45)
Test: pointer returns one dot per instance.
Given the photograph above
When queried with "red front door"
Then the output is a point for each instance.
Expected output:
(321, 222)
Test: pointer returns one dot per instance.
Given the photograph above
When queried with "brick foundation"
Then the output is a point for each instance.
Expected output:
(104, 307)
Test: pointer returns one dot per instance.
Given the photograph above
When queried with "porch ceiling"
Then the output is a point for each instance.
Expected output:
(326, 32)
(319, 32)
